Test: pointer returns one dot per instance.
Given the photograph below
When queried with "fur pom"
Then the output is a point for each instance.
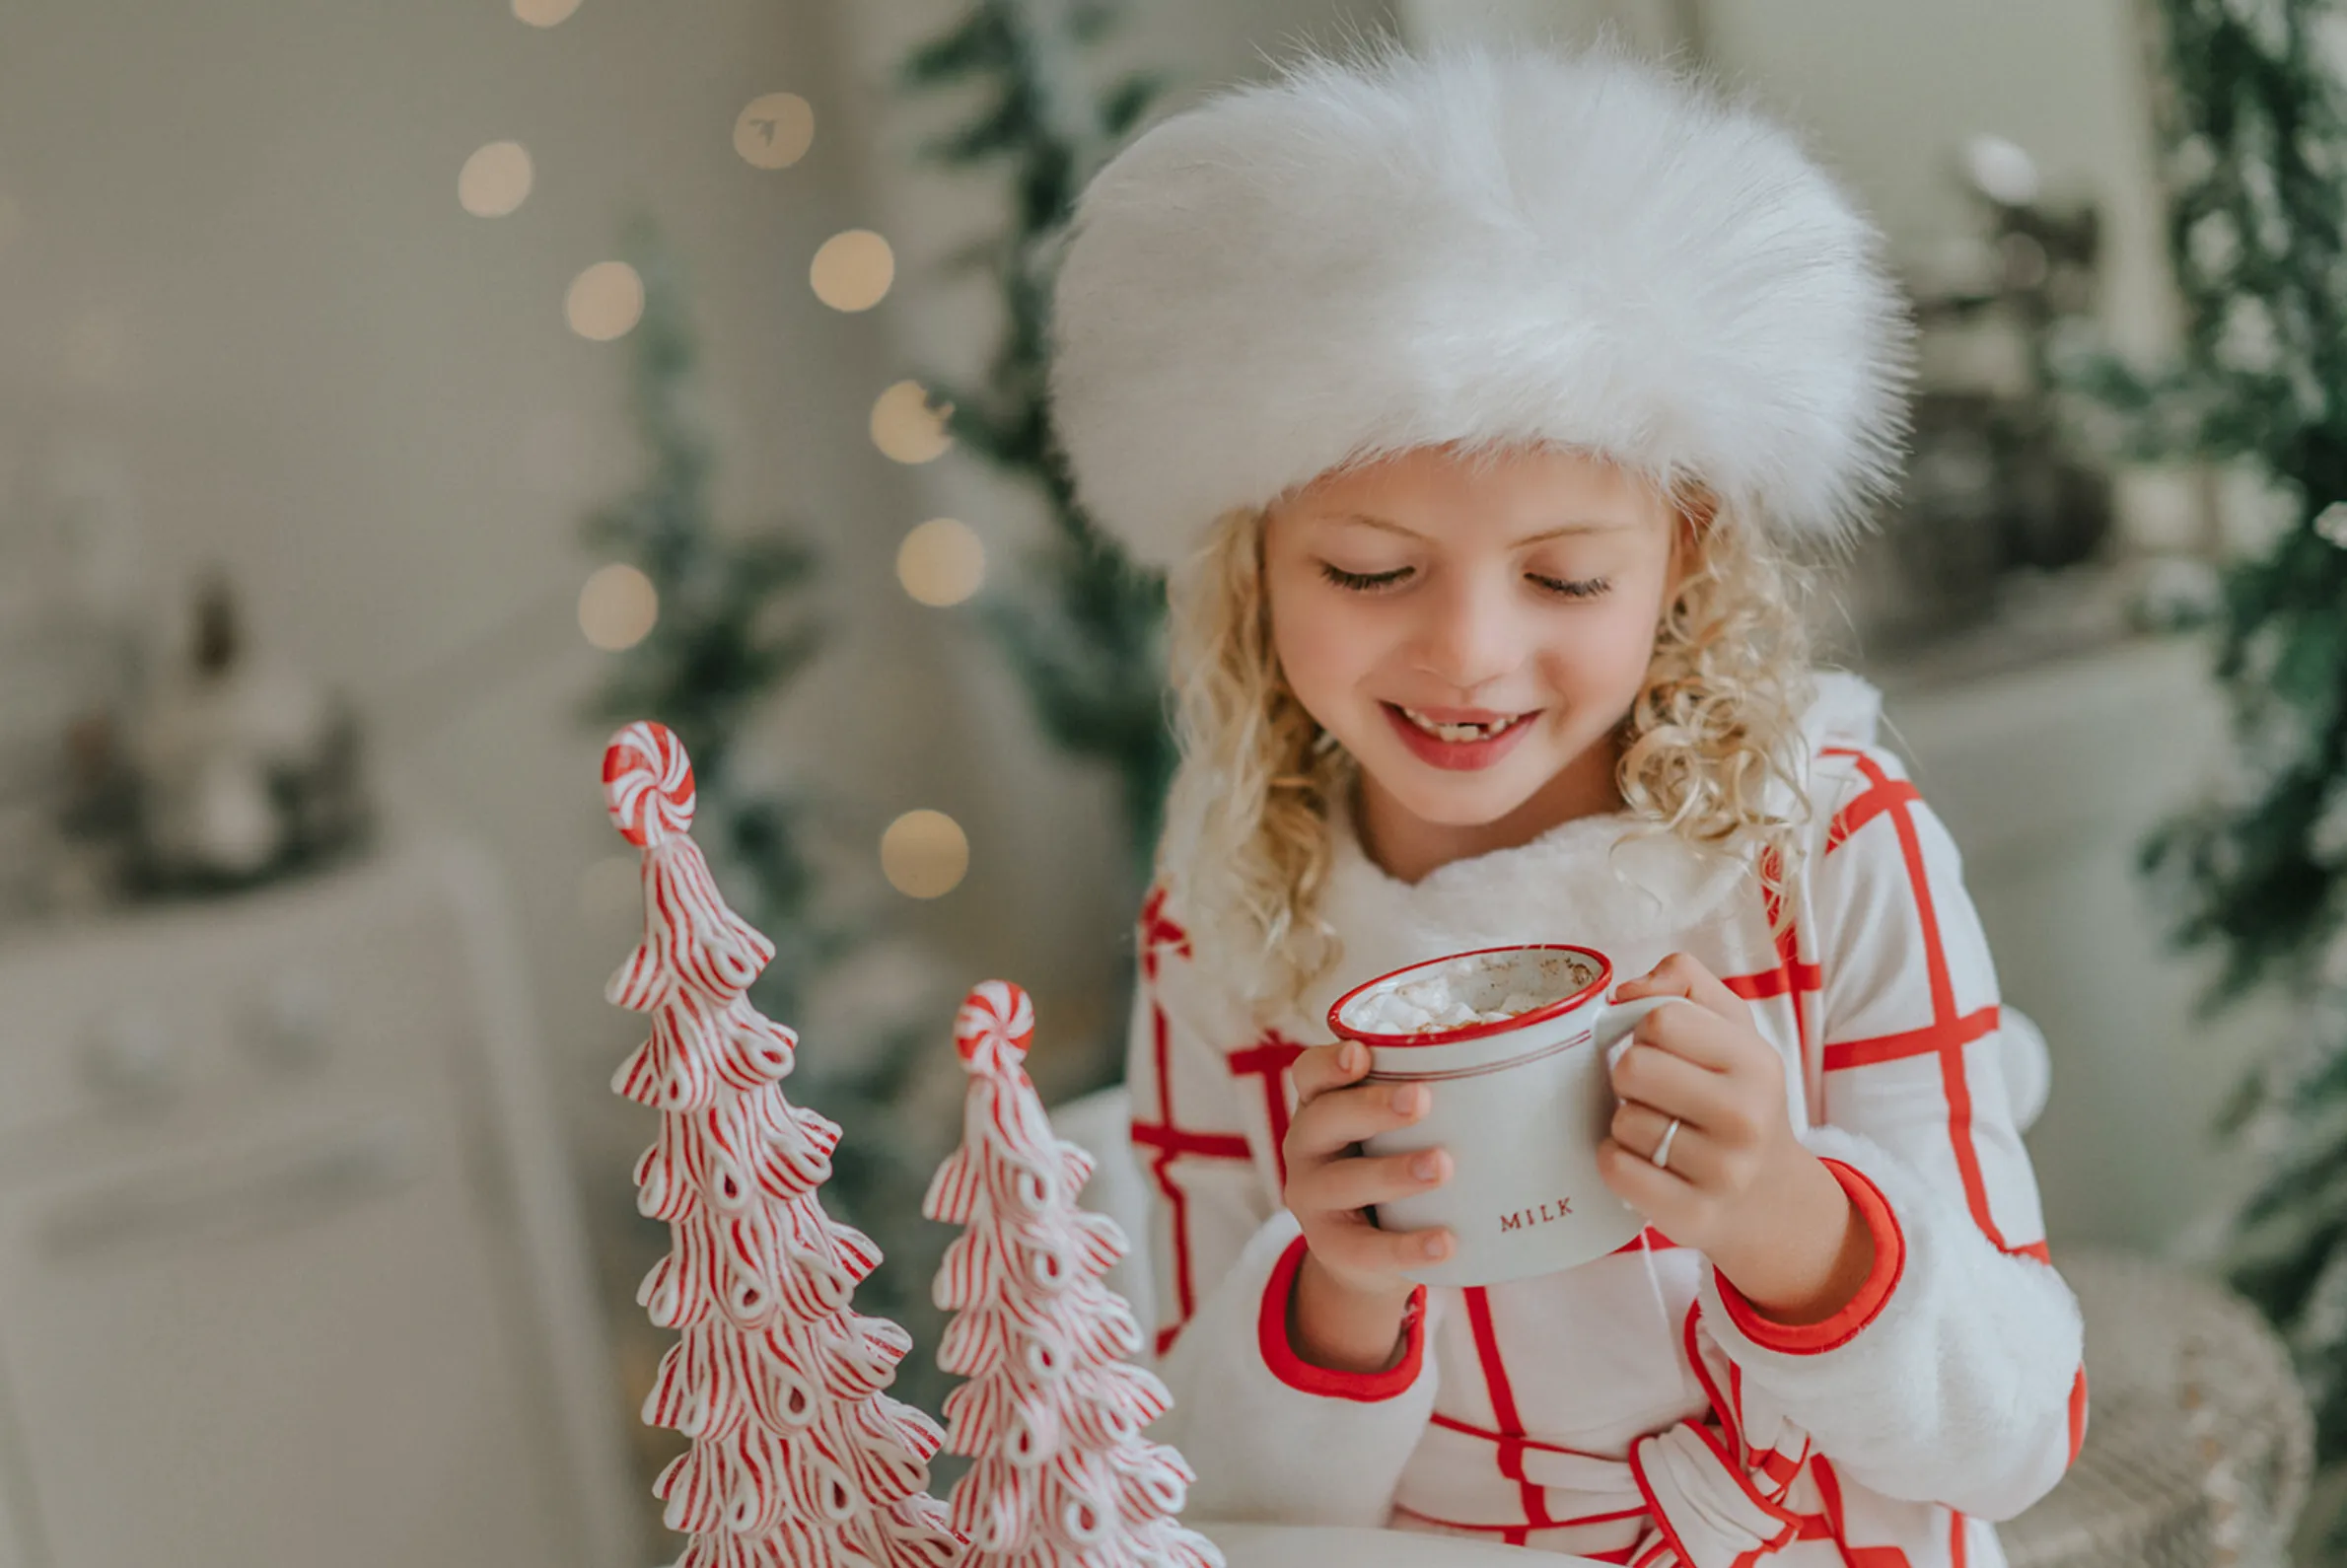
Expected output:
(1479, 246)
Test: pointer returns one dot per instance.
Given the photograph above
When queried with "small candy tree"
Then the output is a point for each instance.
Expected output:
(1052, 1413)
(798, 1460)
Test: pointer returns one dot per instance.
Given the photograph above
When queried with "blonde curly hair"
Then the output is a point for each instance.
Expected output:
(1247, 850)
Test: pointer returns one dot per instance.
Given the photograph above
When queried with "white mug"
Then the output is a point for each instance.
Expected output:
(1522, 1104)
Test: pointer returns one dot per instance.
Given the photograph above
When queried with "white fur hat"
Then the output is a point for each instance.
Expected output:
(1479, 246)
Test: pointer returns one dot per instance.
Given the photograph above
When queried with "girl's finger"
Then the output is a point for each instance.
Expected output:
(1346, 1184)
(1637, 1180)
(1678, 1087)
(1340, 1118)
(1355, 1246)
(1325, 1067)
(1692, 1034)
(1638, 1129)
(1681, 975)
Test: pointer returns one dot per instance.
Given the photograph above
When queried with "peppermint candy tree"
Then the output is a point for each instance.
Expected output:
(797, 1457)
(1052, 1413)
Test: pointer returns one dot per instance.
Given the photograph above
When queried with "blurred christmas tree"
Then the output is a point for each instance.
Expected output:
(2252, 96)
(1086, 629)
(734, 628)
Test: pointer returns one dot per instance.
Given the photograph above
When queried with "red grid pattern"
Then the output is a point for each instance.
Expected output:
(1802, 983)
(1509, 1436)
(1170, 1140)
(1948, 1032)
(1165, 1139)
(1511, 1444)
(1792, 977)
(1269, 1059)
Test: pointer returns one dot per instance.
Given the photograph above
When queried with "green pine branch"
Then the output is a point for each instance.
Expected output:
(737, 628)
(2254, 123)
(1085, 630)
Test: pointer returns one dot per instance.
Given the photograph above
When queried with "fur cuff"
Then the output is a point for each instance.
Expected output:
(1960, 1390)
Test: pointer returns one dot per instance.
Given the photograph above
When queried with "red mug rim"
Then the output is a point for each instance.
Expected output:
(1468, 1031)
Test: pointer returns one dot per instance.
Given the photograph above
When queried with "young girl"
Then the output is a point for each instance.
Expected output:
(1478, 405)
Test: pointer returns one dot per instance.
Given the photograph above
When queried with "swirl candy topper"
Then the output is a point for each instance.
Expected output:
(697, 957)
(994, 1026)
(798, 1458)
(1053, 1414)
(647, 783)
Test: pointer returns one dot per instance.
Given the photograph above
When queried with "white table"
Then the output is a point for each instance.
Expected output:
(1307, 1547)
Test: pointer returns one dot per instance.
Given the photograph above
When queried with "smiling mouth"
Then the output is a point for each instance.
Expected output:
(1460, 734)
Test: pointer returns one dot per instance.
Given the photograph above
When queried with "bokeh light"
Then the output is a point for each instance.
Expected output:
(605, 302)
(618, 608)
(495, 179)
(774, 132)
(941, 562)
(2002, 169)
(907, 427)
(853, 271)
(545, 13)
(924, 854)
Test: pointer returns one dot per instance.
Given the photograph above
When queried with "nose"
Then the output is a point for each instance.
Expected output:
(1468, 636)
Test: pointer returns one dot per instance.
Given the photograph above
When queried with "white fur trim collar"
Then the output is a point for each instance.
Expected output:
(1609, 879)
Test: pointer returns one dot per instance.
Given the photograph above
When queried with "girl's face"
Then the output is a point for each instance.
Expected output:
(1473, 631)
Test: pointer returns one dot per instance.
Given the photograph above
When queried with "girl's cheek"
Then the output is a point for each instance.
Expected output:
(1605, 652)
(1317, 649)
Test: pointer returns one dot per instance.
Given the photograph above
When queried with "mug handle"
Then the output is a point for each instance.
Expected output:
(1614, 1023)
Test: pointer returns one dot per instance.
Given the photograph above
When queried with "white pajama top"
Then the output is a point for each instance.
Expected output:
(1578, 1412)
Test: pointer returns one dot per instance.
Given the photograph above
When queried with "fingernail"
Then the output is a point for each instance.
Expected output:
(1436, 1247)
(1426, 1167)
(1353, 1057)
(1409, 1100)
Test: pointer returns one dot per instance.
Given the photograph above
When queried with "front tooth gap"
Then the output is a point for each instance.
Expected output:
(1457, 731)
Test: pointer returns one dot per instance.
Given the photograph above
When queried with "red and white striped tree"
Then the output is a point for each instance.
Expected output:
(799, 1458)
(1052, 1413)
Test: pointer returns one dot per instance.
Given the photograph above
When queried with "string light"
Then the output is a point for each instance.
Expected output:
(941, 562)
(495, 179)
(774, 132)
(545, 13)
(907, 428)
(618, 608)
(605, 302)
(853, 271)
(924, 854)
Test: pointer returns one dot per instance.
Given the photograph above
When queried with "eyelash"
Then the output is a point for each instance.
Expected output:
(1371, 582)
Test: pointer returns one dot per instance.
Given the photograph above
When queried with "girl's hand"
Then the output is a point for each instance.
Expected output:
(1331, 1182)
(1738, 1185)
(1350, 1294)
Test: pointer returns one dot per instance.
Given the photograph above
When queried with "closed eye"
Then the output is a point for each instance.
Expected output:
(1371, 582)
(1584, 588)
(1363, 582)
